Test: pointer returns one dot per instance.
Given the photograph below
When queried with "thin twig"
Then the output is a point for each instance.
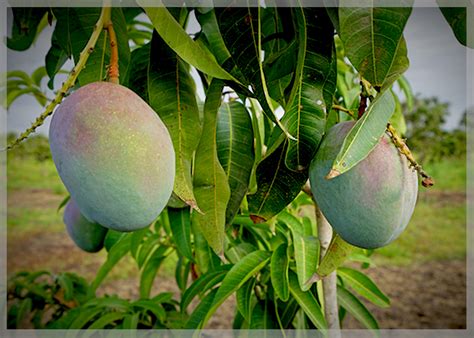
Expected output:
(427, 180)
(68, 84)
(345, 110)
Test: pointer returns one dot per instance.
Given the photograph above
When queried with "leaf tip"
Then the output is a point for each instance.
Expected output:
(333, 173)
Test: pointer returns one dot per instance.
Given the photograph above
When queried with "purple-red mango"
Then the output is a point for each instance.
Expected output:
(371, 204)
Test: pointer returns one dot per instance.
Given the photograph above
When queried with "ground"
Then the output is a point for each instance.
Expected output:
(423, 272)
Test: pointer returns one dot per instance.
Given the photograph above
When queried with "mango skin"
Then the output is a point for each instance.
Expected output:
(87, 236)
(371, 204)
(114, 155)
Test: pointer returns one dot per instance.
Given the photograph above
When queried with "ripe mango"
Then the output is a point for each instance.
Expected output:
(114, 155)
(371, 204)
(87, 236)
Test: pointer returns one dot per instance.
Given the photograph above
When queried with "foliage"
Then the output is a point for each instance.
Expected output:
(270, 59)
(36, 147)
(426, 133)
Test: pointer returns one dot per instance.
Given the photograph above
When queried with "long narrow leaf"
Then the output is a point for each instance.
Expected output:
(364, 135)
(364, 286)
(178, 40)
(237, 276)
(210, 182)
(308, 303)
(235, 150)
(356, 308)
(279, 272)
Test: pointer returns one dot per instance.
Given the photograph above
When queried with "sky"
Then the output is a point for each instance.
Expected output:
(437, 67)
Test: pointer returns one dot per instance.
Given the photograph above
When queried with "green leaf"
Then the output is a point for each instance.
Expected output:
(150, 269)
(364, 286)
(210, 181)
(235, 151)
(244, 299)
(24, 309)
(308, 303)
(111, 238)
(240, 31)
(196, 319)
(38, 75)
(181, 228)
(152, 306)
(315, 84)
(202, 284)
(170, 91)
(116, 253)
(178, 40)
(237, 276)
(364, 135)
(96, 66)
(84, 317)
(130, 322)
(55, 60)
(106, 319)
(277, 185)
(306, 258)
(456, 18)
(337, 253)
(25, 26)
(407, 91)
(206, 259)
(397, 120)
(356, 308)
(183, 267)
(288, 312)
(262, 316)
(279, 272)
(376, 48)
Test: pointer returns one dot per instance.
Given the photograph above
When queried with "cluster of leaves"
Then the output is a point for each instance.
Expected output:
(267, 266)
(235, 215)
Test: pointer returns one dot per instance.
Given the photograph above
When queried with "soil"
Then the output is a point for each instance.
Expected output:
(429, 295)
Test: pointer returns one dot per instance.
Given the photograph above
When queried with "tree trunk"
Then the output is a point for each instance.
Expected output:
(331, 310)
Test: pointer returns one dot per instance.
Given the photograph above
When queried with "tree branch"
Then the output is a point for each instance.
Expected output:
(68, 84)
(427, 180)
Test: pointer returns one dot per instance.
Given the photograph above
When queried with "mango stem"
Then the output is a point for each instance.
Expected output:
(427, 180)
(114, 56)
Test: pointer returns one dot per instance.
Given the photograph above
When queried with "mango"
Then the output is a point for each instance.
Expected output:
(87, 236)
(370, 205)
(114, 156)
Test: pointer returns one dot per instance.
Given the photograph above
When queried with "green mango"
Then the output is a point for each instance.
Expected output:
(114, 155)
(87, 235)
(370, 205)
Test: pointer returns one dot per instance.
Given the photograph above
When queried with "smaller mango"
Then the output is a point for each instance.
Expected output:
(87, 235)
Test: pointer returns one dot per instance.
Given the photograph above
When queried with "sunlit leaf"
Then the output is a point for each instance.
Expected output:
(315, 83)
(210, 181)
(308, 303)
(364, 286)
(355, 307)
(235, 151)
(237, 276)
(177, 38)
(365, 134)
(376, 48)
